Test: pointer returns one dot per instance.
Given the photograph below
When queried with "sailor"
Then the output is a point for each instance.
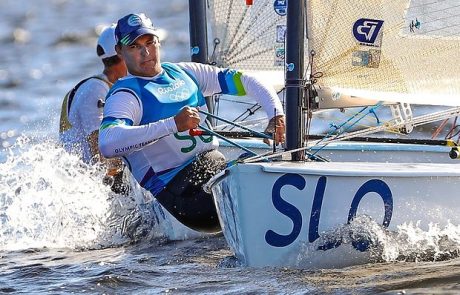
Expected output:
(148, 115)
(81, 111)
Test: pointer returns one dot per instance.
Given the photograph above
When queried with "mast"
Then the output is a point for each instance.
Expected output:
(295, 91)
(199, 38)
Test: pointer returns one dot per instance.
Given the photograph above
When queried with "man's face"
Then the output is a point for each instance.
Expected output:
(142, 57)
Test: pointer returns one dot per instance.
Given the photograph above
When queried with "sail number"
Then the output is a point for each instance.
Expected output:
(294, 214)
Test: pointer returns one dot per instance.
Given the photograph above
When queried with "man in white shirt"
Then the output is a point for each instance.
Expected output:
(82, 107)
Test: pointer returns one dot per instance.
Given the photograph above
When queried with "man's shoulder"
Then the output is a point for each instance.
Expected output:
(125, 88)
(97, 80)
(92, 87)
(125, 80)
(169, 66)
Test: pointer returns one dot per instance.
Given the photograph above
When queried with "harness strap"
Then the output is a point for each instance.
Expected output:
(72, 92)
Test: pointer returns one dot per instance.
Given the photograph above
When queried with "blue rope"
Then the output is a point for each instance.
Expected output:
(260, 134)
(227, 140)
(330, 133)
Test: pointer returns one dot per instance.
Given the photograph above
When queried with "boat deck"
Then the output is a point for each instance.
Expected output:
(364, 168)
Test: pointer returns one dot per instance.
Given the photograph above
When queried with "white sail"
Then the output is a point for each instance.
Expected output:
(388, 49)
(250, 37)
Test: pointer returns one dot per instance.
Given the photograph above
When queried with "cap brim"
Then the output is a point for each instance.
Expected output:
(140, 32)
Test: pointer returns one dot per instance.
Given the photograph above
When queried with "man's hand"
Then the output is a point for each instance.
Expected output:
(114, 166)
(277, 127)
(188, 118)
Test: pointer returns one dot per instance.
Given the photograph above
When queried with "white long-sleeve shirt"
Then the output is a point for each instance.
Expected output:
(155, 145)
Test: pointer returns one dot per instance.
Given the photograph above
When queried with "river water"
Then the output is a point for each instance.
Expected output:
(63, 232)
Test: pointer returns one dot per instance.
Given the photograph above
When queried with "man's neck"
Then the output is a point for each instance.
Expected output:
(147, 77)
(113, 74)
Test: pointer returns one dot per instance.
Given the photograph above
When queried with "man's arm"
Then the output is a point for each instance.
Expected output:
(212, 80)
(93, 145)
(87, 109)
(114, 165)
(120, 133)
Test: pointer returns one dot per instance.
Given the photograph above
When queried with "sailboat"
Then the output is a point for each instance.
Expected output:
(282, 209)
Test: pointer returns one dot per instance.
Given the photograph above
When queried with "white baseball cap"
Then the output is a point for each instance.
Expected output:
(106, 42)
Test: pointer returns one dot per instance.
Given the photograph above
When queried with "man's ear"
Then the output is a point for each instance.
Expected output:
(118, 49)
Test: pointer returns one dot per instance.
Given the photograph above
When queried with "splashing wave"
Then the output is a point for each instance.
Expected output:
(50, 198)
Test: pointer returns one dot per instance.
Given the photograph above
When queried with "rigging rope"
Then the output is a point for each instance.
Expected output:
(416, 121)
(371, 110)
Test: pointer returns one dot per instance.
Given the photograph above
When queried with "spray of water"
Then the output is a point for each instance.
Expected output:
(364, 240)
(50, 198)
(411, 243)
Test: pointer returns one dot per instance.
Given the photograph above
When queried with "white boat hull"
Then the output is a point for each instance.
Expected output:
(278, 214)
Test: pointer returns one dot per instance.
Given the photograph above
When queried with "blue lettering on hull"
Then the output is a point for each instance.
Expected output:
(286, 208)
(294, 214)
